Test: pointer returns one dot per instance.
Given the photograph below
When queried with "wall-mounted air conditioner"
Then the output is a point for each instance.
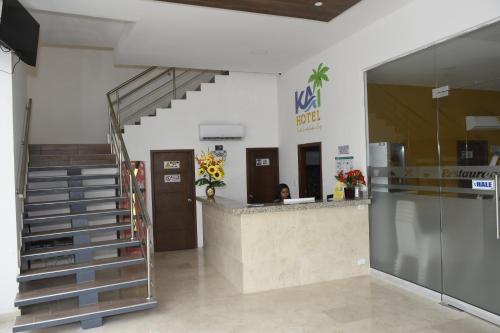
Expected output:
(482, 123)
(221, 132)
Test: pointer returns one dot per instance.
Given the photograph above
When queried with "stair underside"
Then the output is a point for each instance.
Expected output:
(64, 270)
(69, 232)
(53, 218)
(77, 289)
(43, 205)
(72, 249)
(104, 309)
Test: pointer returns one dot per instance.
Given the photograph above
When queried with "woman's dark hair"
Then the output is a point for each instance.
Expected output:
(279, 188)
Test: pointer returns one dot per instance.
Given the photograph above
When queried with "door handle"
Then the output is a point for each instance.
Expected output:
(250, 196)
(189, 200)
(496, 205)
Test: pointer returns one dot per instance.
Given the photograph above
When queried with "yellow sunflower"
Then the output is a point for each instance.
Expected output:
(211, 170)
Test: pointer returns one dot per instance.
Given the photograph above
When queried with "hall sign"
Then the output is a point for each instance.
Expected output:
(308, 101)
(481, 184)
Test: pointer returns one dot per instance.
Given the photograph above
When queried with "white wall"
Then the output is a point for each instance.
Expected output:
(68, 89)
(414, 26)
(9, 104)
(249, 99)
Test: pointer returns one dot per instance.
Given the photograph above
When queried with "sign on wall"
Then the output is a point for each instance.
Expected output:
(308, 101)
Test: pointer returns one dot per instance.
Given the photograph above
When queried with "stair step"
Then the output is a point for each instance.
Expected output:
(52, 218)
(102, 309)
(57, 163)
(54, 190)
(37, 206)
(64, 270)
(36, 179)
(69, 149)
(72, 166)
(76, 289)
(72, 158)
(72, 249)
(69, 232)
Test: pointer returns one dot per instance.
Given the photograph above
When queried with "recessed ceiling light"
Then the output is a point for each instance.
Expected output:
(318, 4)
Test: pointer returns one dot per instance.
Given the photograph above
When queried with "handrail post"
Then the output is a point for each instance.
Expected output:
(174, 84)
(148, 262)
(132, 207)
(117, 99)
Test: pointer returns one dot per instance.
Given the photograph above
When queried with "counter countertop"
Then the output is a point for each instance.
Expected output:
(238, 208)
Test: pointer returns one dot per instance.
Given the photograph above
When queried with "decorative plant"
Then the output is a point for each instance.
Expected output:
(353, 178)
(317, 77)
(210, 169)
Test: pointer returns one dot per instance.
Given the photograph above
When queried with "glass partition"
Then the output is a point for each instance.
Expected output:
(434, 135)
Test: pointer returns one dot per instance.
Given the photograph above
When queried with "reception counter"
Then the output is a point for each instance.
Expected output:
(274, 246)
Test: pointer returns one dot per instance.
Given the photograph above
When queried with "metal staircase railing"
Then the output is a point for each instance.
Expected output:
(141, 225)
(23, 174)
(154, 88)
(140, 95)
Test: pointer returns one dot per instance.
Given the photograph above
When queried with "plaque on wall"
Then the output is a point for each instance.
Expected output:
(172, 178)
(169, 165)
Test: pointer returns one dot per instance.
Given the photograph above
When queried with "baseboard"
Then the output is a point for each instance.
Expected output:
(475, 311)
(409, 286)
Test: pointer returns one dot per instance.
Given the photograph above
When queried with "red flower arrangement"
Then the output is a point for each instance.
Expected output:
(352, 179)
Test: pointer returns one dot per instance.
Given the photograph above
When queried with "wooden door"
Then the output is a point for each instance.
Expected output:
(310, 171)
(174, 209)
(262, 174)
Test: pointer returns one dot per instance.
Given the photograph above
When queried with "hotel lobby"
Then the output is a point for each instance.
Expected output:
(250, 166)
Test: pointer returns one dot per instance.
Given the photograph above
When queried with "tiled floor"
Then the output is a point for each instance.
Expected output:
(195, 298)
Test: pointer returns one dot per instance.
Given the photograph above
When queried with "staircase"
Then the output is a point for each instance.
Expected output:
(82, 258)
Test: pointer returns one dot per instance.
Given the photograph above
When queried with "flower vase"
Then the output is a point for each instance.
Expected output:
(210, 192)
(349, 193)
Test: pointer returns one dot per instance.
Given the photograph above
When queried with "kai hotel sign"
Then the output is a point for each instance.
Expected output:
(308, 101)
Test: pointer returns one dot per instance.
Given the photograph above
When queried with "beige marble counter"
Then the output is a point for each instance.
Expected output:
(277, 246)
(238, 207)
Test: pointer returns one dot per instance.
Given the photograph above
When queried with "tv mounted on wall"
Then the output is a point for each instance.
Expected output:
(19, 31)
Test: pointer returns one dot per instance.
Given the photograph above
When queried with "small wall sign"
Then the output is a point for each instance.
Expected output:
(169, 165)
(343, 150)
(482, 184)
(262, 162)
(172, 178)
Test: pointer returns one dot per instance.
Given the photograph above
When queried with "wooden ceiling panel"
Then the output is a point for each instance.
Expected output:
(305, 9)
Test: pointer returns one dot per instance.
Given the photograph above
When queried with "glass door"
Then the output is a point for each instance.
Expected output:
(469, 145)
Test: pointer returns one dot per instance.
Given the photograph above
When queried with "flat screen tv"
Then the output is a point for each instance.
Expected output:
(19, 31)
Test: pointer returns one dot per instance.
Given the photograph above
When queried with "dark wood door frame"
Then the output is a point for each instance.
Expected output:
(248, 150)
(193, 192)
(301, 162)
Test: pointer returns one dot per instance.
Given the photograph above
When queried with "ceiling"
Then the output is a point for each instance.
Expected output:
(150, 32)
(307, 9)
(471, 61)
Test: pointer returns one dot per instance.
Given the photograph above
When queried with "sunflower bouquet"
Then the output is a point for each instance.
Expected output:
(210, 169)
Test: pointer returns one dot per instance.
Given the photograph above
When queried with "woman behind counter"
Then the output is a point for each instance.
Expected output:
(282, 193)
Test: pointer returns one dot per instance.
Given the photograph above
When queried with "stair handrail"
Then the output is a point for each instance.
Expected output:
(118, 145)
(22, 176)
(172, 91)
(132, 79)
(120, 93)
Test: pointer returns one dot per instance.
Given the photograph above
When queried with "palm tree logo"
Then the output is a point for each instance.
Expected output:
(317, 78)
